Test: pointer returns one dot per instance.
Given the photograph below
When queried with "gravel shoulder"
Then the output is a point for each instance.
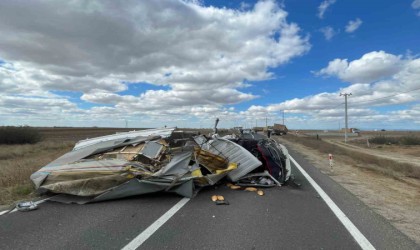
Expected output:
(398, 200)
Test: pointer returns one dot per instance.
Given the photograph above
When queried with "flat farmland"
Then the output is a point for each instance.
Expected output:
(77, 134)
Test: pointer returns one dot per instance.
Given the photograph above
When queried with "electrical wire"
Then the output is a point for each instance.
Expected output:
(385, 96)
(367, 101)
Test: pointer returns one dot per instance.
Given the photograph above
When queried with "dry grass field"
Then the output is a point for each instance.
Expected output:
(77, 134)
(376, 158)
(18, 162)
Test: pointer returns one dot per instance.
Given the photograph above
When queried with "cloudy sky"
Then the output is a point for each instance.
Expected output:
(184, 63)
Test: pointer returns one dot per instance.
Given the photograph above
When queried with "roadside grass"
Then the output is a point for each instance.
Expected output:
(18, 162)
(401, 140)
(358, 159)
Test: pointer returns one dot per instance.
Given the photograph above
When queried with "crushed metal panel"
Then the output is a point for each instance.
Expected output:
(152, 149)
(84, 166)
(138, 187)
(210, 179)
(164, 132)
(76, 155)
(86, 187)
(98, 148)
(178, 166)
(234, 152)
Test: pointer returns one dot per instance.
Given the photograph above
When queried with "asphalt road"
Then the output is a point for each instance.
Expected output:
(284, 218)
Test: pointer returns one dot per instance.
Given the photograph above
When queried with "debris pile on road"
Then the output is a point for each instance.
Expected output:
(155, 160)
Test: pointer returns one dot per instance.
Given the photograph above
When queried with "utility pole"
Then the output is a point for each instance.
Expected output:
(283, 116)
(345, 104)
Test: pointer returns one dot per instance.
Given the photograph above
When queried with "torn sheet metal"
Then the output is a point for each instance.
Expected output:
(121, 137)
(233, 152)
(76, 155)
(127, 164)
(85, 178)
(113, 168)
(132, 187)
(139, 187)
(178, 166)
(152, 149)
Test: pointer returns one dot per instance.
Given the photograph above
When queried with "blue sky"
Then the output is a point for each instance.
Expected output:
(184, 63)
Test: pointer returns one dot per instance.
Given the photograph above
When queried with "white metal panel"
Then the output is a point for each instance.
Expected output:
(164, 132)
(233, 152)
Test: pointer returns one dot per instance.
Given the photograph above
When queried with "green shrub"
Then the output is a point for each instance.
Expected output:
(19, 135)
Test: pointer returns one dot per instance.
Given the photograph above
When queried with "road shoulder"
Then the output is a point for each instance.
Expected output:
(396, 201)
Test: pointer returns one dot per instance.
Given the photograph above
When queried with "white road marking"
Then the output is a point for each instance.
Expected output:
(357, 235)
(14, 210)
(3, 212)
(141, 238)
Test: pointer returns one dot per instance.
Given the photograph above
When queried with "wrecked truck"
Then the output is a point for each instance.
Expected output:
(154, 160)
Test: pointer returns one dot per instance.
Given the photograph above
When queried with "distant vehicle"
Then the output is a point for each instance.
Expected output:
(383, 130)
(279, 129)
(248, 131)
(258, 129)
(355, 130)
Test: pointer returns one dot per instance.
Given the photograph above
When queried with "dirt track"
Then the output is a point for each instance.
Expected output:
(398, 200)
(395, 156)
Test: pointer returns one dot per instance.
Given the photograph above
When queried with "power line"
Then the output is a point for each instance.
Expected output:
(386, 96)
(366, 101)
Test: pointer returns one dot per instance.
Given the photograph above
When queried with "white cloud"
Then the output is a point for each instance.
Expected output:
(202, 55)
(161, 100)
(353, 25)
(323, 7)
(378, 79)
(416, 5)
(328, 32)
(370, 67)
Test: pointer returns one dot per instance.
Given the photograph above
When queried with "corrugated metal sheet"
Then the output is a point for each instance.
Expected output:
(233, 152)
(163, 132)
